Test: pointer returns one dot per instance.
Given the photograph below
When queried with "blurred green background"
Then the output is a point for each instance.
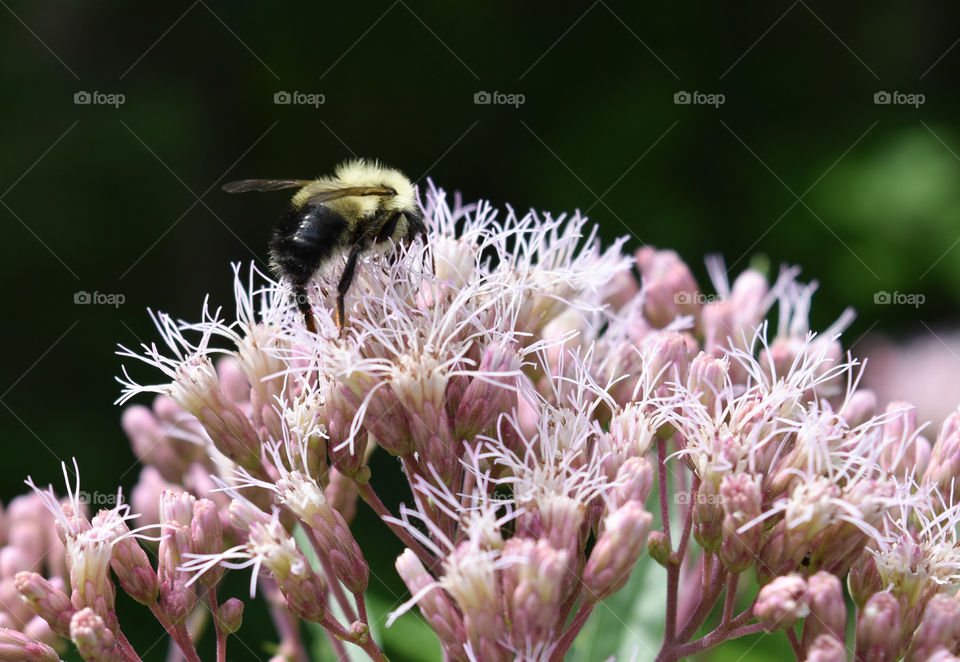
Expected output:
(798, 164)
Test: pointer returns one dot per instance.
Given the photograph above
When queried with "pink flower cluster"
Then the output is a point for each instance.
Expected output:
(535, 389)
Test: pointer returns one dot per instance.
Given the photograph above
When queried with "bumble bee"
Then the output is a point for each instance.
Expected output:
(362, 206)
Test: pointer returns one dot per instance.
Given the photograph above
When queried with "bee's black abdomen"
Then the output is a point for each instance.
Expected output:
(303, 239)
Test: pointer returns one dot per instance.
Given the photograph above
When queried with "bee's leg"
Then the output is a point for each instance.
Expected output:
(303, 305)
(345, 281)
(386, 231)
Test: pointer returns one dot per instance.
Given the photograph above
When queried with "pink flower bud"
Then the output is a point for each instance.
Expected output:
(197, 389)
(176, 598)
(631, 432)
(944, 465)
(708, 514)
(828, 611)
(50, 603)
(435, 606)
(93, 639)
(635, 480)
(864, 579)
(206, 536)
(939, 628)
(342, 494)
(18, 647)
(304, 590)
(234, 383)
(657, 547)
(827, 648)
(903, 451)
(14, 560)
(230, 615)
(488, 394)
(11, 603)
(176, 507)
(145, 498)
(782, 602)
(152, 442)
(859, 407)
(707, 377)
(667, 356)
(305, 498)
(878, 629)
(535, 584)
(343, 400)
(942, 655)
(616, 551)
(669, 287)
(38, 629)
(741, 499)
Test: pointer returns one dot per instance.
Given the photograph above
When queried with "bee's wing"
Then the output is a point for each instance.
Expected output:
(332, 194)
(264, 185)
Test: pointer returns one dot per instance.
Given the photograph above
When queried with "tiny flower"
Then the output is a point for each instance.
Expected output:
(864, 579)
(93, 639)
(617, 550)
(434, 604)
(859, 407)
(669, 287)
(904, 450)
(536, 581)
(196, 387)
(18, 647)
(939, 628)
(707, 377)
(879, 629)
(657, 547)
(230, 615)
(944, 465)
(270, 546)
(490, 392)
(782, 602)
(305, 499)
(828, 611)
(49, 602)
(741, 500)
(827, 648)
(177, 596)
(206, 534)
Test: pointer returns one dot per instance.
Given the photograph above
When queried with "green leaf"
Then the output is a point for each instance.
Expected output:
(628, 624)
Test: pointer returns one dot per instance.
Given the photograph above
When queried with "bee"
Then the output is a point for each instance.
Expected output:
(364, 205)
